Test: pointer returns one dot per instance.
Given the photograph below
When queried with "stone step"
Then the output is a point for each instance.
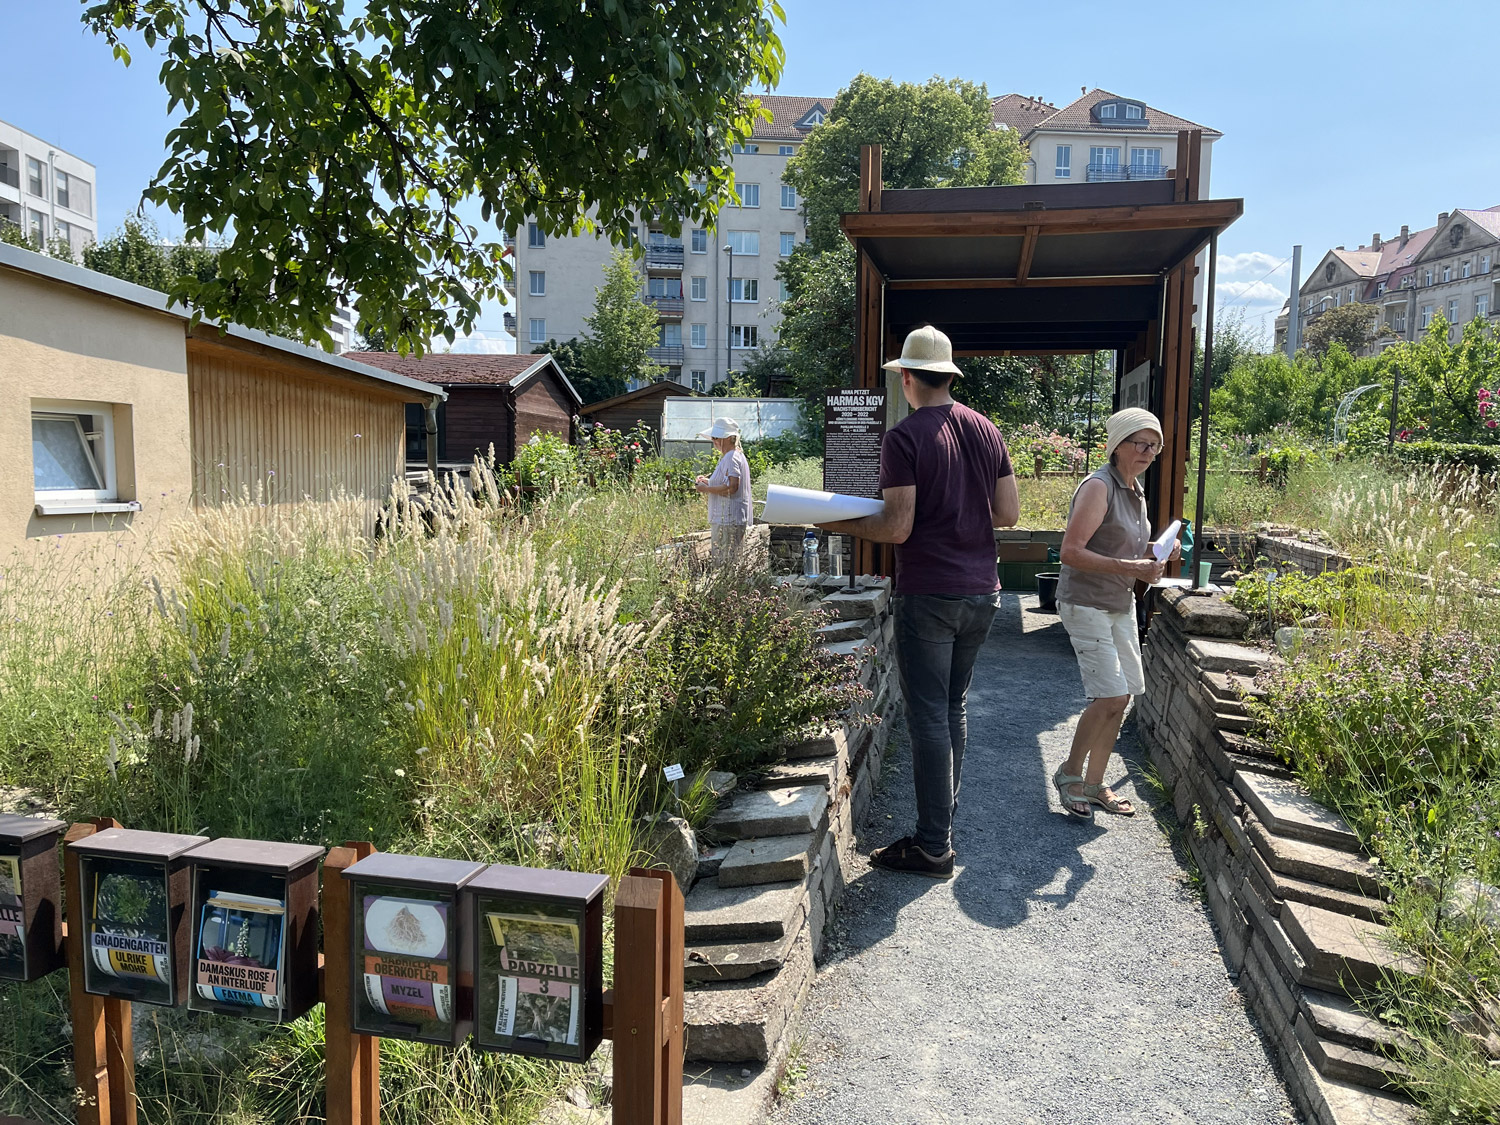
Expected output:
(756, 814)
(1285, 887)
(771, 859)
(1238, 722)
(709, 860)
(859, 650)
(715, 914)
(1288, 809)
(1227, 688)
(1345, 1063)
(1229, 753)
(1336, 1019)
(1225, 656)
(854, 630)
(1340, 952)
(808, 771)
(825, 745)
(740, 1021)
(722, 961)
(1313, 862)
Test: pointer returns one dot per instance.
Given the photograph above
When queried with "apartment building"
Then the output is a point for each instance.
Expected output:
(1450, 269)
(715, 291)
(45, 191)
(1099, 136)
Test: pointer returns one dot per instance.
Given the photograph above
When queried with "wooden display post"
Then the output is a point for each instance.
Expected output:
(103, 1054)
(646, 1016)
(352, 1060)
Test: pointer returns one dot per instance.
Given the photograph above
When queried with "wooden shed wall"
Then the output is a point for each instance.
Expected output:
(626, 415)
(262, 428)
(473, 418)
(544, 407)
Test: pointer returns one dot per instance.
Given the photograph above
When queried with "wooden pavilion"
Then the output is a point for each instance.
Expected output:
(1046, 269)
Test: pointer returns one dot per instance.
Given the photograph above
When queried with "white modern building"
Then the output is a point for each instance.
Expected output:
(715, 291)
(45, 191)
(1099, 136)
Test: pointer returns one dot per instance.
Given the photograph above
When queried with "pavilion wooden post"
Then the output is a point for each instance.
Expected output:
(869, 325)
(352, 1060)
(644, 1015)
(103, 1050)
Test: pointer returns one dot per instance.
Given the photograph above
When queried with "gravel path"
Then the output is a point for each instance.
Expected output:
(1067, 974)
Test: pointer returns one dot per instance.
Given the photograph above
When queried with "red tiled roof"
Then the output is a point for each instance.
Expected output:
(1076, 115)
(786, 111)
(1488, 219)
(451, 367)
(1020, 111)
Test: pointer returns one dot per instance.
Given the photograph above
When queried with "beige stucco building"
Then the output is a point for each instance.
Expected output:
(714, 308)
(1450, 269)
(117, 414)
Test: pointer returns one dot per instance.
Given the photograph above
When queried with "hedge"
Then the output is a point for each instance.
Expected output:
(1485, 458)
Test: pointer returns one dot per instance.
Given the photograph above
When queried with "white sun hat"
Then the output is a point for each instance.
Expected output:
(926, 349)
(722, 428)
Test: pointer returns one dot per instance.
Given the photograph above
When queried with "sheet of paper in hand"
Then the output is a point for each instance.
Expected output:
(1162, 548)
(785, 504)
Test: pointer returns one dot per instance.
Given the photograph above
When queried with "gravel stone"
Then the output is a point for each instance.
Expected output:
(1067, 973)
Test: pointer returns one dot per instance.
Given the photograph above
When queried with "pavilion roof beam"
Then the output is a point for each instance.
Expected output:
(1205, 214)
(908, 283)
(1028, 252)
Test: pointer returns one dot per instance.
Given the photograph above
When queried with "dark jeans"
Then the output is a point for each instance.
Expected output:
(937, 640)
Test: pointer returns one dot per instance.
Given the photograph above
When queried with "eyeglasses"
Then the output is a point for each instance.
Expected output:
(1149, 448)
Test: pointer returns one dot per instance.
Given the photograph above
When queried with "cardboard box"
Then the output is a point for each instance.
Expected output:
(1009, 551)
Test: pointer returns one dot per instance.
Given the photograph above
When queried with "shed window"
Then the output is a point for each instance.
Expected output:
(73, 457)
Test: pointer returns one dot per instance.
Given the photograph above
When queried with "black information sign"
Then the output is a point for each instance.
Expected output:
(853, 424)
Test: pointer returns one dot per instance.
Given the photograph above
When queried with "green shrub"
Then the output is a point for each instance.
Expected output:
(546, 462)
(1347, 598)
(1485, 458)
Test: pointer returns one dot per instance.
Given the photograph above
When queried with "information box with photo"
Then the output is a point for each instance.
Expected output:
(539, 972)
(254, 946)
(407, 943)
(134, 888)
(30, 899)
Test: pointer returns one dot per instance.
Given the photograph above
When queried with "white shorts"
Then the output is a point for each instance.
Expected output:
(1109, 650)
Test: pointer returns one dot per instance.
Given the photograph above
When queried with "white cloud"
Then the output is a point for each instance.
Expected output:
(478, 343)
(1255, 282)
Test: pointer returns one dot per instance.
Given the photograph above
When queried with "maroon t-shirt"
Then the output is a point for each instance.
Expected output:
(954, 456)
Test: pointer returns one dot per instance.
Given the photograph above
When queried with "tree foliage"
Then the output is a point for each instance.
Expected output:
(569, 356)
(1351, 325)
(332, 143)
(939, 134)
(621, 332)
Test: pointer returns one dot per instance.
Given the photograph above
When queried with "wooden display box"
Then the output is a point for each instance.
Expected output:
(254, 927)
(135, 888)
(1010, 551)
(538, 967)
(30, 898)
(408, 948)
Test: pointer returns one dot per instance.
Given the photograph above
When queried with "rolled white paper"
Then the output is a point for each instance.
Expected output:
(1162, 548)
(785, 504)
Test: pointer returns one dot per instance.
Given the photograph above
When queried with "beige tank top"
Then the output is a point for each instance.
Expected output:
(1124, 534)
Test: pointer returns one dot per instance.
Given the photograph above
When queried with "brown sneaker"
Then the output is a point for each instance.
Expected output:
(905, 855)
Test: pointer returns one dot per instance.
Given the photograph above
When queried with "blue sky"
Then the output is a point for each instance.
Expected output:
(1339, 119)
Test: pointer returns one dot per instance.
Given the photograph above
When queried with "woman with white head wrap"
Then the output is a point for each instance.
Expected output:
(1106, 550)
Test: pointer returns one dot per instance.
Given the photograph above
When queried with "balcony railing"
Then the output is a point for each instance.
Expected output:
(1105, 173)
(510, 322)
(669, 354)
(9, 176)
(667, 307)
(664, 256)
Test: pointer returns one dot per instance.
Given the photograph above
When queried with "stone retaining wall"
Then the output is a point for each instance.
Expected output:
(758, 903)
(1300, 909)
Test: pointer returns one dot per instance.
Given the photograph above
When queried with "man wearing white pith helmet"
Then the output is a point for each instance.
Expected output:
(946, 479)
(730, 510)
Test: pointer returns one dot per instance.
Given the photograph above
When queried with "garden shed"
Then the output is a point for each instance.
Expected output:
(119, 415)
(1046, 270)
(642, 406)
(492, 400)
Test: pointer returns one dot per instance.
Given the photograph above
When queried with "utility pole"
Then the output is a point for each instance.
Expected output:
(1294, 307)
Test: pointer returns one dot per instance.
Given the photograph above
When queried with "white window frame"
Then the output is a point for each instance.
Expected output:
(1063, 163)
(749, 195)
(745, 285)
(537, 282)
(787, 150)
(1107, 112)
(698, 236)
(744, 238)
(536, 239)
(698, 287)
(1447, 274)
(1453, 311)
(788, 197)
(742, 150)
(82, 501)
(744, 337)
(1426, 316)
(40, 178)
(1481, 304)
(36, 225)
(531, 330)
(698, 335)
(1465, 268)
(1484, 264)
(1134, 113)
(782, 292)
(698, 379)
(1426, 278)
(667, 332)
(787, 251)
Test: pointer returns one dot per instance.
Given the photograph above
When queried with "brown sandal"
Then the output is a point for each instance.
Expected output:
(1101, 796)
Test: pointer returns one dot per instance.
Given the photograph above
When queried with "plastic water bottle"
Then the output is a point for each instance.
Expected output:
(810, 555)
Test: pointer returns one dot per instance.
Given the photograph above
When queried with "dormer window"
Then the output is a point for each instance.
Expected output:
(812, 117)
(1118, 111)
